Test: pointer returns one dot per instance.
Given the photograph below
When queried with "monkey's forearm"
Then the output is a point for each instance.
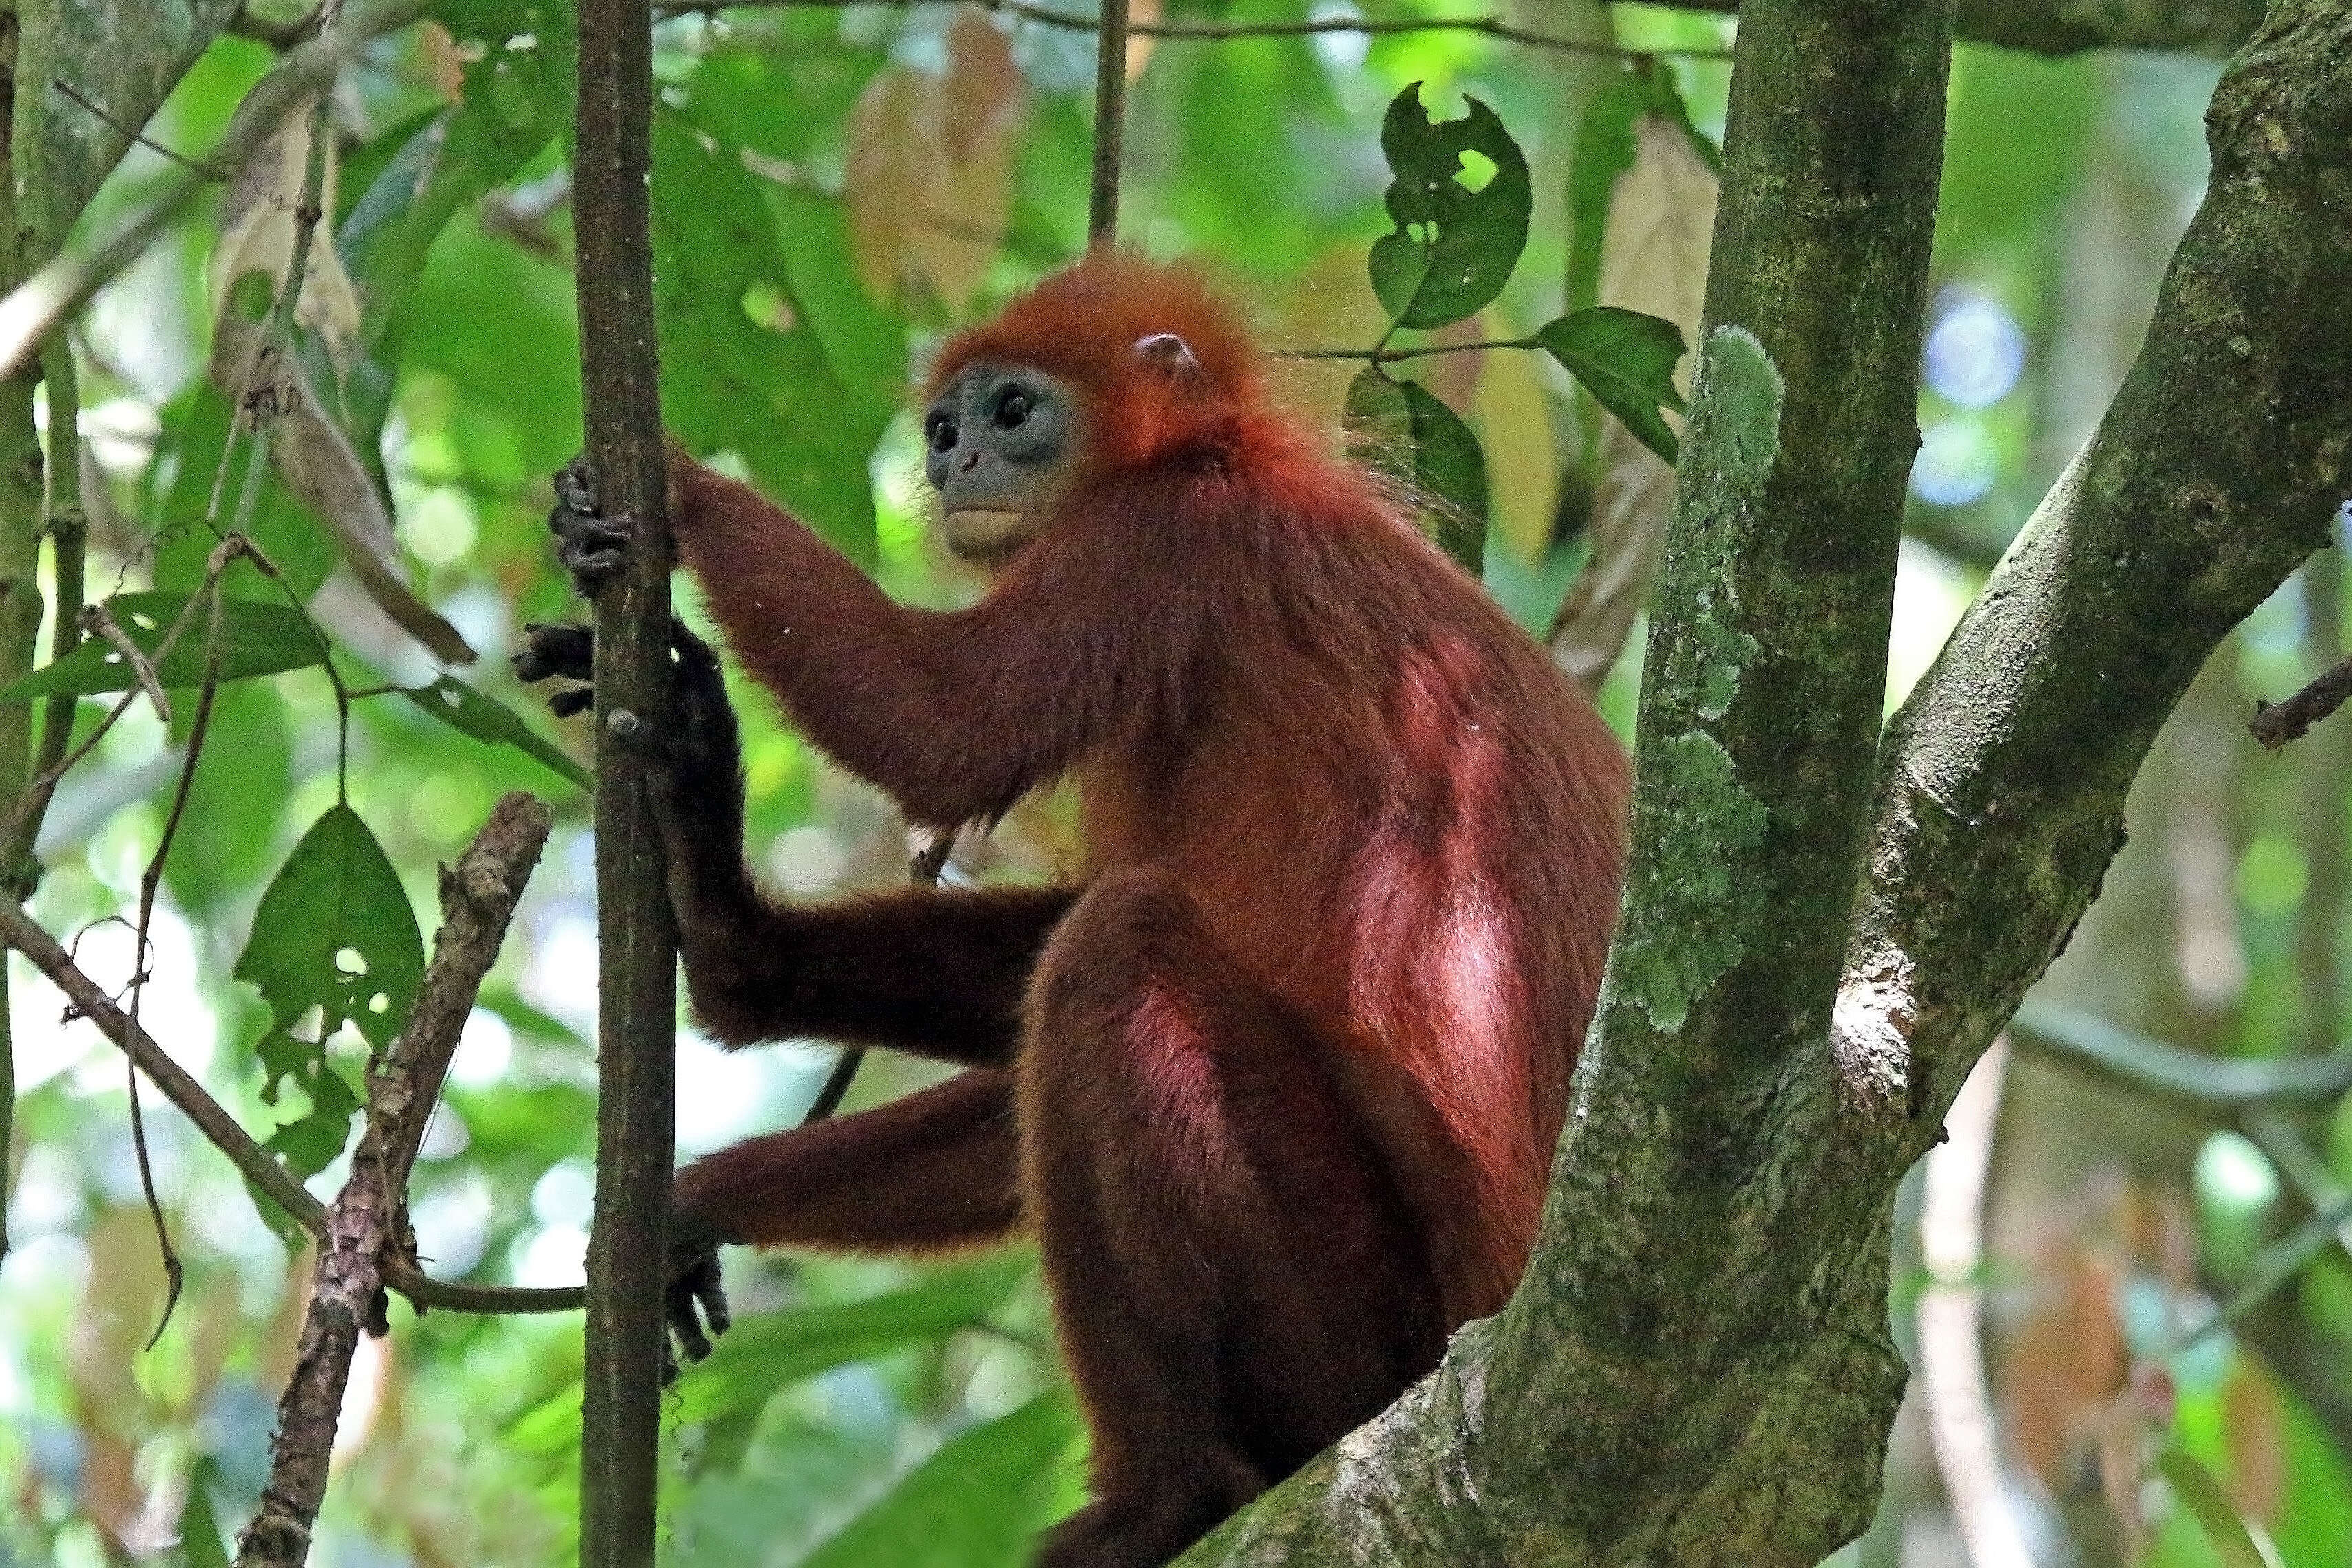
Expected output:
(936, 972)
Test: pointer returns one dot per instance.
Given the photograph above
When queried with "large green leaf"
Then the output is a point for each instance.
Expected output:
(761, 1354)
(255, 639)
(1627, 361)
(1453, 247)
(2237, 1541)
(1401, 429)
(471, 713)
(334, 931)
(741, 367)
(976, 1503)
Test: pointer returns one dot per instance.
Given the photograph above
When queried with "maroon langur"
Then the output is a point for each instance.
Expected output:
(1275, 1082)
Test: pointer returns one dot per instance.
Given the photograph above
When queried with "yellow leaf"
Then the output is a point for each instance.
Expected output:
(1513, 418)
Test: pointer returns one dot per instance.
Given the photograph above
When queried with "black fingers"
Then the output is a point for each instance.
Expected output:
(590, 545)
(559, 652)
(693, 1301)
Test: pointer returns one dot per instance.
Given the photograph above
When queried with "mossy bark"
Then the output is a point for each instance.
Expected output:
(2069, 27)
(1697, 1369)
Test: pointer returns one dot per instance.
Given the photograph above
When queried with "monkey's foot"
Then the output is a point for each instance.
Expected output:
(590, 545)
(693, 1300)
(559, 652)
(1145, 1526)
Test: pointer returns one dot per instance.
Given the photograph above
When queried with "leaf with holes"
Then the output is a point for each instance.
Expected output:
(1627, 361)
(463, 709)
(1454, 246)
(1400, 429)
(255, 639)
(334, 932)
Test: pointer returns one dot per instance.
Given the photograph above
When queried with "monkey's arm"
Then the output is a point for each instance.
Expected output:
(937, 971)
(957, 715)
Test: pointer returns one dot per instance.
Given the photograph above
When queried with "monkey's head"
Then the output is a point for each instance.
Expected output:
(1101, 369)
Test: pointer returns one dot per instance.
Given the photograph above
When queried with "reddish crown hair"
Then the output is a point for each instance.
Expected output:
(1093, 325)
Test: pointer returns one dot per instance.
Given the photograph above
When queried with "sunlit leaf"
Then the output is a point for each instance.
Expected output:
(485, 718)
(335, 932)
(1627, 361)
(2237, 1541)
(976, 1503)
(763, 1353)
(1454, 246)
(255, 639)
(1607, 146)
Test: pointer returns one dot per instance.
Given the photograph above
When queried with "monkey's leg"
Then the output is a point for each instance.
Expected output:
(930, 1170)
(1234, 1283)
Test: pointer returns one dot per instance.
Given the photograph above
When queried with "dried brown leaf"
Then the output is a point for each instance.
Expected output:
(1653, 259)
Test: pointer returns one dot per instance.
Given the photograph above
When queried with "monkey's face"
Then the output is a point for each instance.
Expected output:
(995, 441)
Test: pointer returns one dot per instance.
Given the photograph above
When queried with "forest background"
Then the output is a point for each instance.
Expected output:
(835, 186)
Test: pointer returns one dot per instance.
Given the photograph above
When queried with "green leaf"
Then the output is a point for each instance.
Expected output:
(485, 718)
(1403, 430)
(2238, 1542)
(977, 1502)
(1454, 246)
(334, 931)
(761, 1354)
(255, 639)
(1627, 361)
(762, 387)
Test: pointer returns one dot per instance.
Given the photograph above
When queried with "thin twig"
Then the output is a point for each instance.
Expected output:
(2205, 1086)
(2278, 1264)
(367, 1224)
(259, 1166)
(69, 531)
(31, 311)
(138, 136)
(1110, 124)
(151, 882)
(1391, 356)
(2277, 723)
(100, 622)
(1216, 32)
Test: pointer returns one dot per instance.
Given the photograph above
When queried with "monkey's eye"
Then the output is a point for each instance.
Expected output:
(1012, 407)
(940, 431)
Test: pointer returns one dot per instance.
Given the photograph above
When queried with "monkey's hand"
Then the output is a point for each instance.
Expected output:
(693, 1298)
(590, 545)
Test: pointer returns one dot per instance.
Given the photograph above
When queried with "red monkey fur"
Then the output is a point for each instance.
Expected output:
(1277, 1084)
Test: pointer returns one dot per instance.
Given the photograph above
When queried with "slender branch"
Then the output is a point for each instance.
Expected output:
(1493, 26)
(33, 310)
(628, 1243)
(1110, 123)
(68, 532)
(2278, 1264)
(2208, 27)
(368, 1221)
(259, 1166)
(2278, 723)
(138, 137)
(1391, 356)
(2206, 1085)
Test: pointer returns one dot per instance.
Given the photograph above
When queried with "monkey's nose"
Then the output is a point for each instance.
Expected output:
(971, 461)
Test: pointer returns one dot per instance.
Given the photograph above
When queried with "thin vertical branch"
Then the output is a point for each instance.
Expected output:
(2324, 760)
(1110, 124)
(637, 976)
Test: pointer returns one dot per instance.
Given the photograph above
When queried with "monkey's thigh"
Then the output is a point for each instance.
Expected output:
(1232, 1269)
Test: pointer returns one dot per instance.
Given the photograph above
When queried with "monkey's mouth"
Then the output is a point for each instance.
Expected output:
(988, 535)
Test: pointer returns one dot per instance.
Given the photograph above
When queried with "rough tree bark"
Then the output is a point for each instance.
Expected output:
(2069, 27)
(1697, 1369)
(637, 1015)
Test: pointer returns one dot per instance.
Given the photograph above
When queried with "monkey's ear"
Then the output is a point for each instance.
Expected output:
(1168, 355)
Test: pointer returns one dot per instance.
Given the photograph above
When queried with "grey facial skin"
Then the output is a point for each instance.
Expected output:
(993, 442)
